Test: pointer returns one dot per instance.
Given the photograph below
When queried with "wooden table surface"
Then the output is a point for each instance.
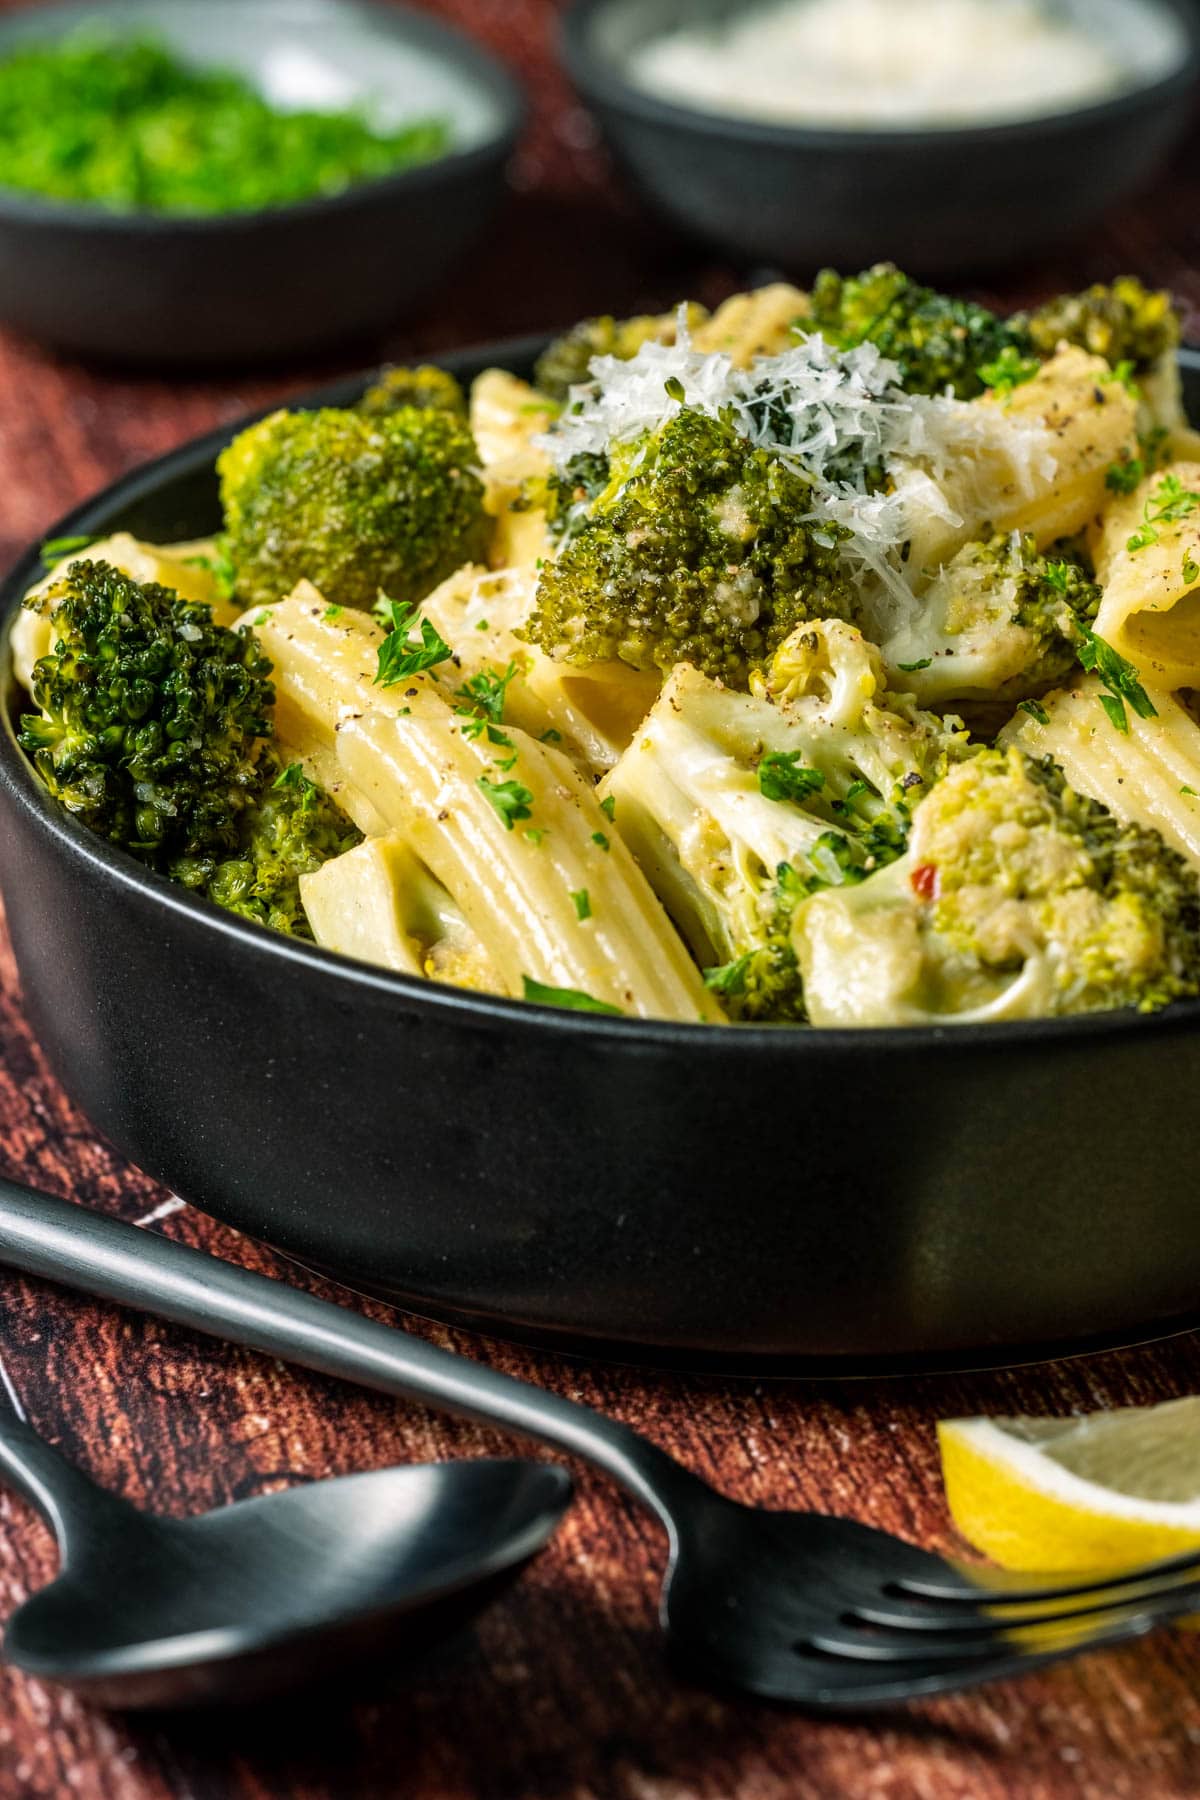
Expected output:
(561, 1693)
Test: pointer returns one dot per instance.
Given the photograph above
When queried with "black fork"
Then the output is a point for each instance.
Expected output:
(792, 1606)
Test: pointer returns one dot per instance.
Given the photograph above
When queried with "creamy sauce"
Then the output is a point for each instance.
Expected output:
(900, 64)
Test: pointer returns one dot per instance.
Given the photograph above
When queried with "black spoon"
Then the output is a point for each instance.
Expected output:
(252, 1599)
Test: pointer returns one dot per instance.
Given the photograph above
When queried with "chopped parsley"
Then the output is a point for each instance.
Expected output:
(399, 657)
(550, 736)
(571, 999)
(511, 801)
(782, 776)
(1117, 716)
(534, 836)
(1007, 370)
(486, 693)
(333, 612)
(599, 839)
(608, 806)
(1123, 372)
(1189, 791)
(583, 904)
(674, 388)
(1119, 677)
(1123, 476)
(1191, 568)
(1036, 710)
(912, 667)
(474, 727)
(56, 550)
(294, 777)
(485, 696)
(113, 119)
(1169, 502)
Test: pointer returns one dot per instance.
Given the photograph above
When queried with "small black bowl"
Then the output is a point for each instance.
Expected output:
(783, 1199)
(171, 289)
(938, 202)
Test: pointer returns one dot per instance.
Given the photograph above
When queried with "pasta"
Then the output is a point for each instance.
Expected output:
(777, 676)
(1034, 462)
(1149, 773)
(405, 767)
(594, 709)
(1145, 548)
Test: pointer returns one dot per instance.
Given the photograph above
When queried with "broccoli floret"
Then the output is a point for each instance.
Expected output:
(290, 830)
(566, 362)
(352, 503)
(1123, 321)
(1016, 898)
(422, 387)
(762, 985)
(936, 342)
(699, 550)
(154, 732)
(999, 621)
(152, 717)
(564, 495)
(739, 806)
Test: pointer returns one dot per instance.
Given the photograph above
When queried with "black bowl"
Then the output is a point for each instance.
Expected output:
(159, 288)
(936, 201)
(799, 1200)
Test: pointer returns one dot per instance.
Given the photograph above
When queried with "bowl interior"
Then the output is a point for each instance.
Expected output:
(329, 55)
(1152, 40)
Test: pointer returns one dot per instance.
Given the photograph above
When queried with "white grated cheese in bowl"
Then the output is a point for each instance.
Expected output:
(909, 64)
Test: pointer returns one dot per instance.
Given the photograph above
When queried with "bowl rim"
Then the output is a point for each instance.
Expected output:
(395, 18)
(600, 80)
(99, 860)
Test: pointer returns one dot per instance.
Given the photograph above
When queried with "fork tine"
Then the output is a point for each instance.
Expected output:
(920, 1620)
(1057, 1634)
(973, 1584)
(839, 1684)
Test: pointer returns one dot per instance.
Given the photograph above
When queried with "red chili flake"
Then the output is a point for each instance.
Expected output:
(925, 881)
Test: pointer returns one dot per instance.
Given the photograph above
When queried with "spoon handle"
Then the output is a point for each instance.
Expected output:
(63, 1494)
(83, 1249)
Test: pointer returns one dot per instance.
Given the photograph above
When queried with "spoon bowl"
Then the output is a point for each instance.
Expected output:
(272, 1593)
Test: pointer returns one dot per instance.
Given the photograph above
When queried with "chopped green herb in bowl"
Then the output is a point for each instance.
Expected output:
(124, 124)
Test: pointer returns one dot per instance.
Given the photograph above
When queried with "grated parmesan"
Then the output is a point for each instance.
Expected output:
(829, 415)
(908, 64)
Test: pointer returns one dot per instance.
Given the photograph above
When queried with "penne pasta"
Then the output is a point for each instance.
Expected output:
(379, 904)
(325, 661)
(754, 324)
(1149, 774)
(591, 711)
(507, 418)
(1147, 553)
(1033, 461)
(543, 879)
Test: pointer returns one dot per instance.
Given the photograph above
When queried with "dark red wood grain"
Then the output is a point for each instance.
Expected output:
(561, 1694)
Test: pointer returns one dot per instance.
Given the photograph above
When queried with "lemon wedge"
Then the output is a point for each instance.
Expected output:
(1102, 1490)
